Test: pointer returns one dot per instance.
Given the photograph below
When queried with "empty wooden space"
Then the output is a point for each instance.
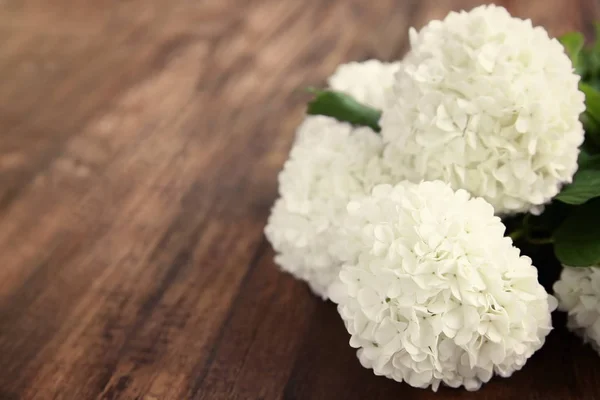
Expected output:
(140, 142)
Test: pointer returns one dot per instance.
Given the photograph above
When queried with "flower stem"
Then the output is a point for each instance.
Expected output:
(517, 234)
(547, 240)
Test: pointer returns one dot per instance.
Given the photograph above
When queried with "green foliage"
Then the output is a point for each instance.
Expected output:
(573, 44)
(591, 117)
(585, 186)
(343, 108)
(586, 182)
(589, 62)
(577, 240)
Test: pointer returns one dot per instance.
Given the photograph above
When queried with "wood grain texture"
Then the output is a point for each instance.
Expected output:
(138, 158)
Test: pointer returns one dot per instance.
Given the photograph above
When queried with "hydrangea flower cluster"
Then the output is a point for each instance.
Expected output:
(329, 164)
(490, 104)
(437, 293)
(370, 81)
(398, 222)
(578, 294)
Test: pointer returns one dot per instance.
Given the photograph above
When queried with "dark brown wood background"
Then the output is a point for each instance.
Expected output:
(139, 146)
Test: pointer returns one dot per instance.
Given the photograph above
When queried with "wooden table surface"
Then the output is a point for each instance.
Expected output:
(139, 146)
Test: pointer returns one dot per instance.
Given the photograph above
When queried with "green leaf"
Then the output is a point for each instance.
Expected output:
(586, 182)
(591, 117)
(585, 186)
(344, 108)
(594, 82)
(593, 59)
(587, 160)
(573, 43)
(596, 46)
(584, 66)
(590, 146)
(577, 240)
(591, 126)
(592, 100)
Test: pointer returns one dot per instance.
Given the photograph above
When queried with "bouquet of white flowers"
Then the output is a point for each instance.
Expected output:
(414, 188)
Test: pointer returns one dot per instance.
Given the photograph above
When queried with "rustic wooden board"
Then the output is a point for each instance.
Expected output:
(139, 146)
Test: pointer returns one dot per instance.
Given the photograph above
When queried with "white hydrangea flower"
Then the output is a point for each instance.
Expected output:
(438, 294)
(330, 164)
(368, 81)
(578, 293)
(489, 104)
